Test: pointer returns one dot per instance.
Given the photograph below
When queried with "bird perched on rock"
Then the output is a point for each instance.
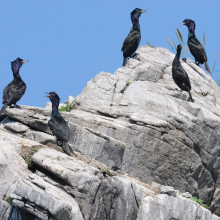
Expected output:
(133, 39)
(58, 125)
(16, 89)
(195, 47)
(179, 75)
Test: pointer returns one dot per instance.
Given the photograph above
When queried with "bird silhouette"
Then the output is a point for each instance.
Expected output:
(58, 125)
(133, 39)
(195, 47)
(16, 89)
(179, 75)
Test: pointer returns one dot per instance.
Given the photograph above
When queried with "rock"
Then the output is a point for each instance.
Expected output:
(12, 165)
(186, 195)
(70, 100)
(3, 208)
(40, 137)
(156, 185)
(48, 105)
(169, 190)
(167, 207)
(133, 120)
(16, 127)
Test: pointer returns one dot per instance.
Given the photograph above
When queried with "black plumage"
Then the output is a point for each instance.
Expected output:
(58, 125)
(179, 75)
(16, 89)
(133, 39)
(195, 47)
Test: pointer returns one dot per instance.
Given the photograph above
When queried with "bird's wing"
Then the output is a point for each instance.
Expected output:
(131, 41)
(14, 89)
(183, 76)
(59, 127)
(197, 49)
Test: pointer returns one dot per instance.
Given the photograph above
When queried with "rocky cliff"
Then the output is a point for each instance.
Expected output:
(132, 134)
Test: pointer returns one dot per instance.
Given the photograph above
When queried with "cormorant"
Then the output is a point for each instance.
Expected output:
(179, 75)
(133, 39)
(58, 125)
(195, 47)
(16, 89)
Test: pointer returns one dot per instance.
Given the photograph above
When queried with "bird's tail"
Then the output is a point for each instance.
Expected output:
(190, 96)
(124, 61)
(3, 108)
(207, 67)
(66, 147)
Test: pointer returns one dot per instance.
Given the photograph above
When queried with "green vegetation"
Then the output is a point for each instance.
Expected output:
(181, 41)
(66, 108)
(127, 84)
(28, 157)
(200, 202)
(9, 200)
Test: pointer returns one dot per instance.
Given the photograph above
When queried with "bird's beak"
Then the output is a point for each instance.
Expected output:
(142, 11)
(183, 23)
(24, 61)
(47, 95)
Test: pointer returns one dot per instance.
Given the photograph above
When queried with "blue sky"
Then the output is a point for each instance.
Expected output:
(68, 42)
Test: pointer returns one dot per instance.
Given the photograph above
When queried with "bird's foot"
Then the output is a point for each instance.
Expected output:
(179, 90)
(17, 106)
(197, 63)
(134, 55)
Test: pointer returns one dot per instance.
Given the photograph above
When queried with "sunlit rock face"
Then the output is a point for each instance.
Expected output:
(132, 133)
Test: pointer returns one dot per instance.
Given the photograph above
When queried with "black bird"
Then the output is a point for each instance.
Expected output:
(195, 47)
(58, 125)
(133, 39)
(179, 75)
(16, 89)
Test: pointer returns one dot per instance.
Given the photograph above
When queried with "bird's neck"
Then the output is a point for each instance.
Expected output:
(176, 60)
(55, 105)
(135, 22)
(191, 30)
(16, 75)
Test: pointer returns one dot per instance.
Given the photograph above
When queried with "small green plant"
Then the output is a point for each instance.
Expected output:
(66, 108)
(200, 202)
(127, 84)
(9, 200)
(28, 157)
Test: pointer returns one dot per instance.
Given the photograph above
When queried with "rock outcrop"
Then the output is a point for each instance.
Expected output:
(133, 134)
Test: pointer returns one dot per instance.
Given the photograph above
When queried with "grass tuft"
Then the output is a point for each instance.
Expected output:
(178, 37)
(213, 69)
(150, 45)
(9, 200)
(200, 202)
(181, 37)
(27, 153)
(169, 42)
(204, 39)
(175, 45)
(66, 108)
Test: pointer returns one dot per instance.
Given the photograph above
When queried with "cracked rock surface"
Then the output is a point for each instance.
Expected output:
(128, 130)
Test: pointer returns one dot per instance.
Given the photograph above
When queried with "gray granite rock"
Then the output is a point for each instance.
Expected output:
(136, 122)
(169, 190)
(16, 127)
(41, 137)
(186, 195)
